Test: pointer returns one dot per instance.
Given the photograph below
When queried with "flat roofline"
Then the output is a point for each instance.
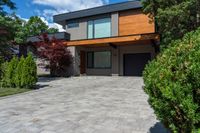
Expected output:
(97, 7)
(59, 36)
(97, 11)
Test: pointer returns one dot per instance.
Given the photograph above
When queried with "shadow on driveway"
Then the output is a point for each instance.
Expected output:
(39, 86)
(158, 128)
(48, 79)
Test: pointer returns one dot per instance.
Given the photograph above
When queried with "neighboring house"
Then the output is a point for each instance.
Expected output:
(12, 49)
(115, 39)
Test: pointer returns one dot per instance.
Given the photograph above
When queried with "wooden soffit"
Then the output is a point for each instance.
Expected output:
(120, 39)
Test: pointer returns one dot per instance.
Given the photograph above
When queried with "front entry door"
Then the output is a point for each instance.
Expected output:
(82, 62)
(134, 64)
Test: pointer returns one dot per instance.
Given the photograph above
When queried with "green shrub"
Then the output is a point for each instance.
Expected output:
(1, 69)
(172, 82)
(19, 73)
(9, 73)
(29, 74)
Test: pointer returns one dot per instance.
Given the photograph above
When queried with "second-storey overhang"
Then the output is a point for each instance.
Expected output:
(121, 40)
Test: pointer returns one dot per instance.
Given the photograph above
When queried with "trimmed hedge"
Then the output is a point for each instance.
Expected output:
(172, 82)
(9, 70)
(1, 63)
(29, 74)
(21, 73)
(18, 74)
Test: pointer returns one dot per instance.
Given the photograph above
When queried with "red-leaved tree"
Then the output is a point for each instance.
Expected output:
(56, 53)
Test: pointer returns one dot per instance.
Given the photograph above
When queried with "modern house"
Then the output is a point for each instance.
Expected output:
(116, 39)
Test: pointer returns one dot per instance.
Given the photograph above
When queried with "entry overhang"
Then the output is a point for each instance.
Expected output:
(110, 40)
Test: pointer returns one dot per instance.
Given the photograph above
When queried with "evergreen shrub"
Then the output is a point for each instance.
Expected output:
(21, 73)
(172, 82)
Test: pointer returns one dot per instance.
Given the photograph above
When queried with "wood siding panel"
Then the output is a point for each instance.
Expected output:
(121, 39)
(134, 22)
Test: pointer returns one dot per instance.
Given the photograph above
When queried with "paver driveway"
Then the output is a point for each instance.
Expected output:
(80, 105)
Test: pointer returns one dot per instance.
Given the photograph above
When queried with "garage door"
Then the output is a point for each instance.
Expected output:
(134, 63)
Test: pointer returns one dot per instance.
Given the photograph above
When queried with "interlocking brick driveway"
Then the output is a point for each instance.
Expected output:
(80, 105)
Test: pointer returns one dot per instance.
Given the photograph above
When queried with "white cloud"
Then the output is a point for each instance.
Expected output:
(47, 13)
(70, 5)
(44, 20)
(25, 19)
(57, 26)
(63, 6)
(52, 25)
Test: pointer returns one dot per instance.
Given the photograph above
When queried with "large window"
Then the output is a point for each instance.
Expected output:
(99, 59)
(99, 28)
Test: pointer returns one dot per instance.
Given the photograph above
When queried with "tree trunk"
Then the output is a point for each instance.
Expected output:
(54, 72)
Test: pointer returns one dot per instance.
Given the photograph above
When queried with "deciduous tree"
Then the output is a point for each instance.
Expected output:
(16, 31)
(174, 18)
(56, 53)
(33, 27)
(7, 3)
(6, 27)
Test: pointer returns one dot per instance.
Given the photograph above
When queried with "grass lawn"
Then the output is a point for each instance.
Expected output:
(11, 91)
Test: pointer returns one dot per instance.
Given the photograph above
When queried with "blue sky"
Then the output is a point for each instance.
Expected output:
(47, 8)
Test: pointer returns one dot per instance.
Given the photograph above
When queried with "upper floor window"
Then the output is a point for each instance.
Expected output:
(99, 28)
(72, 25)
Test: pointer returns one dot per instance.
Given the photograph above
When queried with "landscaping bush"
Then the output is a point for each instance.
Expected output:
(18, 73)
(29, 74)
(1, 63)
(172, 82)
(21, 73)
(9, 69)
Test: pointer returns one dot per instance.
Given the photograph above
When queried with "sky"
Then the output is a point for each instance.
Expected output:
(47, 8)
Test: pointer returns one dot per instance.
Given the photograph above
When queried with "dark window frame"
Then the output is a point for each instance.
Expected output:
(88, 66)
(73, 25)
(93, 67)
